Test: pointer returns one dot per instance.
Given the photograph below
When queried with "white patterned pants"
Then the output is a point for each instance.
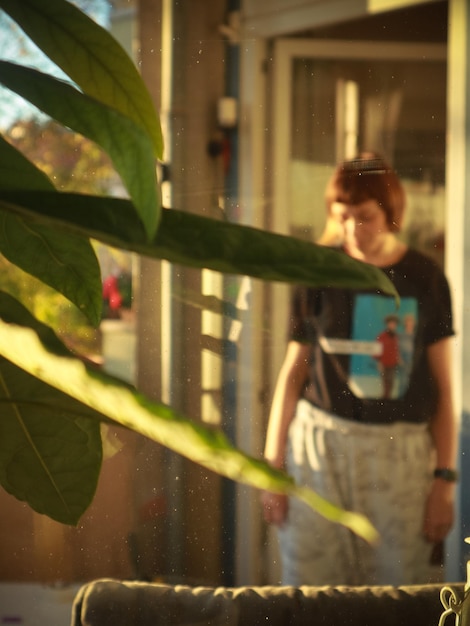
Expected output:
(382, 471)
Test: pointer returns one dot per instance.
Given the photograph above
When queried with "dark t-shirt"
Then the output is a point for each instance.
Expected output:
(346, 373)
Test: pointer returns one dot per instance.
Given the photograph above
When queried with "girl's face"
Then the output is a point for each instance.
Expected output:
(365, 226)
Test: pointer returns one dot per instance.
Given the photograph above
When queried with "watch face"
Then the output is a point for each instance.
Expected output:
(446, 474)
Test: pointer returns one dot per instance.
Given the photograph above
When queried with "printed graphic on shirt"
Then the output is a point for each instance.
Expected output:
(381, 346)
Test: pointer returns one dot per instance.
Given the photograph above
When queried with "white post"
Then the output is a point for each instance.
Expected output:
(458, 233)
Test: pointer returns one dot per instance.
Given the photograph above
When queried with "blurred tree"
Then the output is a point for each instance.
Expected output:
(71, 161)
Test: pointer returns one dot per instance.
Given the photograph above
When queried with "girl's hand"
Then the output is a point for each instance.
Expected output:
(334, 232)
(439, 512)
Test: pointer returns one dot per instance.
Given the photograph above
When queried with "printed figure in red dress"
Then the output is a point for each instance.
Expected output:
(389, 359)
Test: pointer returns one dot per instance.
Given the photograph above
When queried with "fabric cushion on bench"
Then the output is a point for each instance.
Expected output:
(108, 602)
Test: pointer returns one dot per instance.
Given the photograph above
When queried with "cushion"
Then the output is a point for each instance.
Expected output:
(109, 602)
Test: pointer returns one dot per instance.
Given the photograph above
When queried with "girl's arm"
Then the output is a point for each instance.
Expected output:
(439, 514)
(289, 384)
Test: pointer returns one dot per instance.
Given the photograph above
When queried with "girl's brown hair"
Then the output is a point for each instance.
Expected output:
(368, 177)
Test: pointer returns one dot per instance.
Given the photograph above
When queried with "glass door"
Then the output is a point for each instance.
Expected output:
(332, 99)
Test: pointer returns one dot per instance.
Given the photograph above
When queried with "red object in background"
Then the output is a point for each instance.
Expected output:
(111, 293)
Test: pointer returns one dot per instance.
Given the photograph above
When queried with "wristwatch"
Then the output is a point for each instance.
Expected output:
(450, 475)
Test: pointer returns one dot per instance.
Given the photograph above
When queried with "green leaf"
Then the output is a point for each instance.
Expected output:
(209, 447)
(90, 56)
(196, 241)
(357, 523)
(17, 172)
(13, 312)
(126, 143)
(49, 457)
(199, 242)
(67, 264)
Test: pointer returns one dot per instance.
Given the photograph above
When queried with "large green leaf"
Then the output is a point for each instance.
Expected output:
(27, 348)
(198, 241)
(50, 444)
(90, 56)
(50, 456)
(126, 143)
